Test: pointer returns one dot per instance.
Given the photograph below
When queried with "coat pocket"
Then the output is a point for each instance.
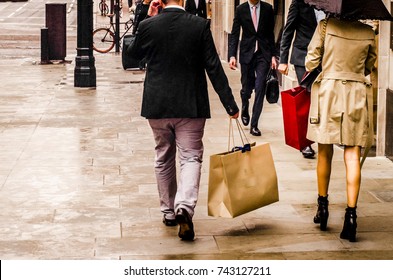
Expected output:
(356, 101)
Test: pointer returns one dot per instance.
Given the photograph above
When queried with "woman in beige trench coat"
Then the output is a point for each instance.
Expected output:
(341, 107)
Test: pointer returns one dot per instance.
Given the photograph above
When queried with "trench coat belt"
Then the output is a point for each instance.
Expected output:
(344, 78)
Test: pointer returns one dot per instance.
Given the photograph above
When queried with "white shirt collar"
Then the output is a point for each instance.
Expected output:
(252, 5)
(175, 6)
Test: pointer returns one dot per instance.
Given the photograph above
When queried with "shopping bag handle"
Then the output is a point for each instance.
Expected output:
(246, 143)
(245, 148)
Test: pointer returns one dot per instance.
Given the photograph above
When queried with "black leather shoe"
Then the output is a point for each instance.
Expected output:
(245, 116)
(169, 222)
(255, 131)
(308, 152)
(186, 229)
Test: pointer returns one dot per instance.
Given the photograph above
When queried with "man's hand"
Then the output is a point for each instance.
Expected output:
(232, 63)
(283, 68)
(235, 116)
(154, 8)
(274, 63)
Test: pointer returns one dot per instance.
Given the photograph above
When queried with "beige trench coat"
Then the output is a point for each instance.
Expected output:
(341, 96)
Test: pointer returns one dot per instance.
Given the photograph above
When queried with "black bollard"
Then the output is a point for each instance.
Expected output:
(85, 70)
(44, 46)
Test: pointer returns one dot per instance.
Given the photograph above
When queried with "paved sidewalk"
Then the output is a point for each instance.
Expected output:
(77, 179)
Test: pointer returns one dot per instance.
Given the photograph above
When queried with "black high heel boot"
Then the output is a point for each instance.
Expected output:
(322, 215)
(349, 228)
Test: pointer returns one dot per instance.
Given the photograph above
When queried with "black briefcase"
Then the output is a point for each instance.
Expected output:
(128, 61)
(272, 89)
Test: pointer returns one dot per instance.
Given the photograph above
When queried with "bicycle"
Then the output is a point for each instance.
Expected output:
(104, 37)
(104, 8)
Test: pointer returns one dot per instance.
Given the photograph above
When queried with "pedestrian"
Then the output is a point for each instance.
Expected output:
(179, 50)
(196, 7)
(341, 107)
(256, 55)
(141, 10)
(301, 23)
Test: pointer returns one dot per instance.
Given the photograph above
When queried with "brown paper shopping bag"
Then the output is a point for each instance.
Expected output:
(240, 182)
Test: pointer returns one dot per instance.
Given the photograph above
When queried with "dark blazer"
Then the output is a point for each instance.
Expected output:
(264, 34)
(179, 48)
(301, 18)
(192, 9)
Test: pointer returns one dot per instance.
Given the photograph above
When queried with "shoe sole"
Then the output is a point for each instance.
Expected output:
(347, 237)
(309, 156)
(185, 231)
(323, 224)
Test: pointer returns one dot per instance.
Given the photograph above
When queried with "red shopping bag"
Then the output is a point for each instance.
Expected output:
(295, 107)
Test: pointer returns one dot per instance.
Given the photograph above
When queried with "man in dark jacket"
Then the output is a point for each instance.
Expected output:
(179, 49)
(302, 20)
(256, 56)
(196, 7)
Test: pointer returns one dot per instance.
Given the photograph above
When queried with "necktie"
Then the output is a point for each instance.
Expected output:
(254, 17)
(254, 21)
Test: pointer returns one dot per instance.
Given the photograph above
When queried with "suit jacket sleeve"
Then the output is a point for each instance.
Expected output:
(288, 33)
(233, 40)
(134, 49)
(216, 73)
(272, 46)
(203, 8)
(314, 51)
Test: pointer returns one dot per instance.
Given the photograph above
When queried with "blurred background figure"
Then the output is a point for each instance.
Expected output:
(196, 7)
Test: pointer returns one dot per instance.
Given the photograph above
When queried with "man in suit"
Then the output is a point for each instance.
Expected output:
(179, 48)
(257, 55)
(196, 7)
(302, 20)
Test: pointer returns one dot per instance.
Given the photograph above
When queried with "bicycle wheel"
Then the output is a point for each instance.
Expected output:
(103, 40)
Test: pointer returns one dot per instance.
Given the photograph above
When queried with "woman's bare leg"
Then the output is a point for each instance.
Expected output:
(324, 168)
(352, 166)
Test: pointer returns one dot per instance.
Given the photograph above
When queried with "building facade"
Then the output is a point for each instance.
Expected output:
(222, 13)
